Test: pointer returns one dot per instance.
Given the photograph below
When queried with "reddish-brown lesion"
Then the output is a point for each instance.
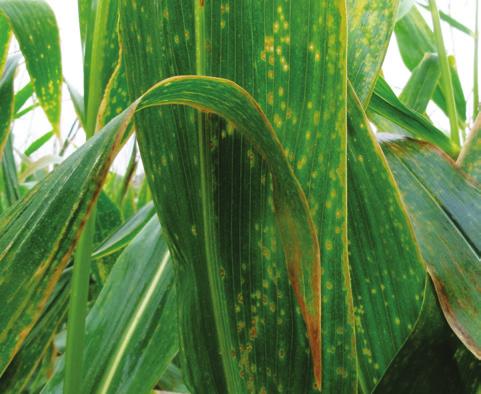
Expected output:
(295, 254)
(451, 316)
(202, 2)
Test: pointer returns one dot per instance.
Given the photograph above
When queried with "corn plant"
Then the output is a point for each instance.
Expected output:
(300, 228)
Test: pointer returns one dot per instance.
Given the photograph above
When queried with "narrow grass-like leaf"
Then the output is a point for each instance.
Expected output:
(38, 143)
(7, 101)
(384, 103)
(387, 271)
(447, 227)
(5, 35)
(452, 22)
(101, 53)
(9, 172)
(22, 96)
(35, 27)
(421, 85)
(78, 102)
(122, 237)
(415, 39)
(131, 330)
(371, 23)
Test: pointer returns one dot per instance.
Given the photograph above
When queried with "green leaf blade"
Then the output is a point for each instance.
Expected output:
(7, 100)
(451, 247)
(131, 330)
(271, 65)
(28, 272)
(371, 23)
(387, 271)
(35, 27)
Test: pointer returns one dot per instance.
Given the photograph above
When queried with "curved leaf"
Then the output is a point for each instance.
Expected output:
(445, 209)
(421, 85)
(35, 27)
(29, 222)
(298, 234)
(385, 104)
(300, 83)
(415, 39)
(122, 236)
(39, 233)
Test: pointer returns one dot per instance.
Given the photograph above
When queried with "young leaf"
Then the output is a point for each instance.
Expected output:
(385, 104)
(38, 143)
(22, 96)
(415, 39)
(421, 85)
